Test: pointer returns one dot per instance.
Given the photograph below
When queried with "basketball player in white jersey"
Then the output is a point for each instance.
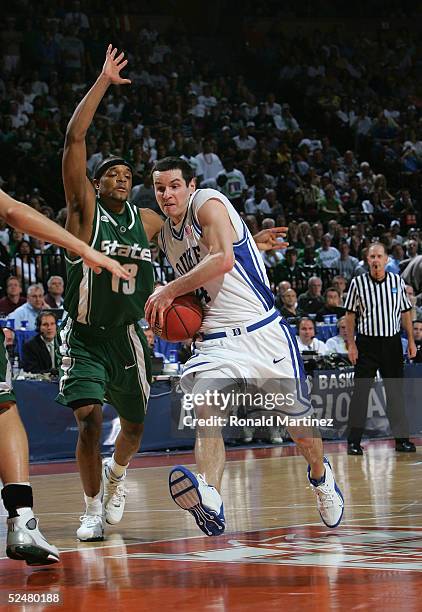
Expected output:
(243, 337)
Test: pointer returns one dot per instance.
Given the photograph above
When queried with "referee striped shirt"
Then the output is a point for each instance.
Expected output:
(378, 305)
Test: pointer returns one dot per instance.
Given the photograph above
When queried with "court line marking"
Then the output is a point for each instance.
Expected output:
(236, 509)
(297, 526)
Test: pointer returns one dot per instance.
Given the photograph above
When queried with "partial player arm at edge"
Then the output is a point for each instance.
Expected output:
(26, 219)
(268, 240)
(218, 236)
(152, 223)
(351, 344)
(407, 324)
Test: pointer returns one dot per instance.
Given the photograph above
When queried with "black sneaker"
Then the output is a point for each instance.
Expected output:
(405, 446)
(354, 448)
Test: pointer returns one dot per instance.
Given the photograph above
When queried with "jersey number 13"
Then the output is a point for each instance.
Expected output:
(121, 284)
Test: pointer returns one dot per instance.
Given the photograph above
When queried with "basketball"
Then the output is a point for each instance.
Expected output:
(182, 319)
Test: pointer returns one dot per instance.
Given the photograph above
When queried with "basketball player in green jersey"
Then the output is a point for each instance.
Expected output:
(104, 354)
(25, 542)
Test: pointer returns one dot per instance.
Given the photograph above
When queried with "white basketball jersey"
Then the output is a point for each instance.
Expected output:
(239, 296)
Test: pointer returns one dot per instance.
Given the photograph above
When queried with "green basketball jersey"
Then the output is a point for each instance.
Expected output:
(103, 300)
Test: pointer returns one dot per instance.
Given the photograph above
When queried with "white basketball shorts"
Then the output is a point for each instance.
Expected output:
(262, 353)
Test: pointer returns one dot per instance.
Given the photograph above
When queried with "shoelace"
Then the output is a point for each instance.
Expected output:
(90, 520)
(119, 494)
(116, 488)
(325, 498)
(202, 479)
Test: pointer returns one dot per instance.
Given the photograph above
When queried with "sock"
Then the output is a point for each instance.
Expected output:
(118, 470)
(17, 495)
(94, 505)
(317, 482)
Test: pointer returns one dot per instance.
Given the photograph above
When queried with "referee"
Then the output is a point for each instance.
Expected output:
(379, 302)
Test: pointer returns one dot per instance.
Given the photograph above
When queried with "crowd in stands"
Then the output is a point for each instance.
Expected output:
(332, 149)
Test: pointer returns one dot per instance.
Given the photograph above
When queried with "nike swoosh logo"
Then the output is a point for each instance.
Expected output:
(278, 360)
(130, 366)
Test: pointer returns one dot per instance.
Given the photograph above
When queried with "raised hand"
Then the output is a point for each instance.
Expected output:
(113, 65)
(269, 239)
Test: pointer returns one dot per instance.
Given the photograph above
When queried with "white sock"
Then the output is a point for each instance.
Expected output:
(94, 505)
(118, 470)
(24, 510)
(28, 484)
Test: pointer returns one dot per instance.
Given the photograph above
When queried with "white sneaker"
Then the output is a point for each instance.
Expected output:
(330, 500)
(91, 529)
(25, 542)
(114, 495)
(202, 500)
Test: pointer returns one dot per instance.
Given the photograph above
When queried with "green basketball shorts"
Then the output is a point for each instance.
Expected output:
(6, 388)
(110, 365)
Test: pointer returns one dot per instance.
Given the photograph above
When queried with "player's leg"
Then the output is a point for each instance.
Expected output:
(200, 493)
(88, 456)
(131, 370)
(127, 444)
(24, 540)
(290, 374)
(309, 444)
(82, 387)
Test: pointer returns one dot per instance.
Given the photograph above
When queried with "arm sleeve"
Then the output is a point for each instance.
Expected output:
(30, 362)
(405, 304)
(352, 299)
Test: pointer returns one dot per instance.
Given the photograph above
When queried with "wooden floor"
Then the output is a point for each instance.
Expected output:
(275, 555)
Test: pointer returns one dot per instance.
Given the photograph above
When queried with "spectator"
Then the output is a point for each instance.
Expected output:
(332, 306)
(306, 339)
(24, 264)
(327, 254)
(362, 267)
(416, 310)
(417, 332)
(311, 301)
(28, 312)
(338, 344)
(13, 298)
(329, 205)
(289, 269)
(54, 296)
(258, 203)
(281, 289)
(231, 182)
(339, 283)
(39, 353)
(397, 256)
(289, 308)
(143, 195)
(345, 264)
(209, 164)
(244, 141)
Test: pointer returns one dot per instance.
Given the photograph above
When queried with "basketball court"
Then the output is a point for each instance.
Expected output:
(275, 554)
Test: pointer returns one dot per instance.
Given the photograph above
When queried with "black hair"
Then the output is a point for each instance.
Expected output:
(174, 163)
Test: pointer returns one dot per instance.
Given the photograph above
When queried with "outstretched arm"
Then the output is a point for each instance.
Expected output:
(28, 220)
(80, 195)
